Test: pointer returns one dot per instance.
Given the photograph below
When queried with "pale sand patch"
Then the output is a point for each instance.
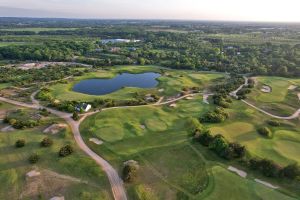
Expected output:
(189, 98)
(298, 95)
(8, 129)
(33, 173)
(238, 172)
(55, 128)
(173, 105)
(266, 184)
(205, 98)
(161, 90)
(143, 126)
(96, 141)
(292, 87)
(57, 198)
(266, 89)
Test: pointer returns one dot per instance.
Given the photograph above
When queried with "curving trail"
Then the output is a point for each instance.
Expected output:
(233, 94)
(113, 176)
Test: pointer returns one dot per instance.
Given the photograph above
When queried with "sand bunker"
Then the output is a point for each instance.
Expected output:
(292, 87)
(55, 128)
(161, 90)
(57, 198)
(266, 89)
(205, 98)
(8, 129)
(298, 95)
(173, 105)
(266, 184)
(33, 173)
(143, 126)
(189, 98)
(238, 172)
(96, 141)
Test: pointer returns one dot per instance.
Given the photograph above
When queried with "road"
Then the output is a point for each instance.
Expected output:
(113, 177)
(233, 94)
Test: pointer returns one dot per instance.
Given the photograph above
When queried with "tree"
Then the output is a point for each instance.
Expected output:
(65, 151)
(20, 143)
(265, 131)
(205, 138)
(291, 171)
(75, 116)
(46, 142)
(130, 170)
(34, 158)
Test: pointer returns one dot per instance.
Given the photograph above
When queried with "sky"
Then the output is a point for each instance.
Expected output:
(227, 10)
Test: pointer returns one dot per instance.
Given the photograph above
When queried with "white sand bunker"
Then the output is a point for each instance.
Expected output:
(96, 141)
(161, 90)
(7, 129)
(292, 87)
(173, 105)
(238, 172)
(57, 198)
(266, 89)
(189, 98)
(55, 128)
(205, 98)
(33, 173)
(143, 126)
(266, 184)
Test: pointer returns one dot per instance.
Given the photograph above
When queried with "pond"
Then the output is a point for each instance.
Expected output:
(107, 86)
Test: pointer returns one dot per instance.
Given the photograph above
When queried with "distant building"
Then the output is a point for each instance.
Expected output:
(115, 41)
(83, 107)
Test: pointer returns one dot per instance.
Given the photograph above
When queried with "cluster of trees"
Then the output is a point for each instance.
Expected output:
(21, 120)
(222, 100)
(26, 77)
(216, 116)
(271, 169)
(220, 145)
(66, 151)
(182, 50)
(233, 150)
(48, 51)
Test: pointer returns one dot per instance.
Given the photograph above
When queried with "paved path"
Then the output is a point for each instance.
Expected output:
(233, 94)
(113, 177)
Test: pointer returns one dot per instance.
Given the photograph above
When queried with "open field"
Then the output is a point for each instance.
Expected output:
(162, 147)
(37, 30)
(281, 100)
(242, 127)
(74, 177)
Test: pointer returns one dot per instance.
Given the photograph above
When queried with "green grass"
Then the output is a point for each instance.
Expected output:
(242, 126)
(226, 185)
(172, 83)
(14, 165)
(37, 30)
(280, 101)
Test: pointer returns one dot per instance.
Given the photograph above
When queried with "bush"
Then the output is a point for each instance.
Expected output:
(216, 116)
(75, 116)
(20, 143)
(46, 142)
(291, 171)
(34, 158)
(65, 151)
(205, 138)
(265, 131)
(269, 168)
(274, 123)
(130, 171)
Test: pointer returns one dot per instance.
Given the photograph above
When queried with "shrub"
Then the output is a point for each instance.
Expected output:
(206, 138)
(238, 150)
(216, 116)
(46, 142)
(130, 171)
(65, 151)
(20, 143)
(274, 123)
(269, 168)
(265, 131)
(75, 116)
(291, 171)
(34, 158)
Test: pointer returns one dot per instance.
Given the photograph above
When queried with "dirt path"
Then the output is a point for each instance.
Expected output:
(233, 94)
(114, 179)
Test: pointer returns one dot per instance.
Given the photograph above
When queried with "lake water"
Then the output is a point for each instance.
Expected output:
(107, 86)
